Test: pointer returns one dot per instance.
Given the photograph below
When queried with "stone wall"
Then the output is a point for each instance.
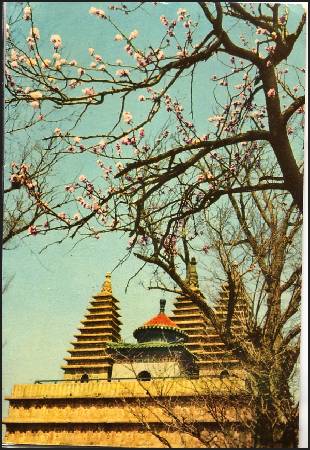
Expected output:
(121, 413)
(124, 436)
(156, 369)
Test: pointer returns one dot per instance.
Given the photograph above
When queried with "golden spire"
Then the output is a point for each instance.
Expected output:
(192, 276)
(235, 272)
(107, 285)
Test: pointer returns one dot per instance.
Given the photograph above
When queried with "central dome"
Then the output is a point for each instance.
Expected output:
(161, 319)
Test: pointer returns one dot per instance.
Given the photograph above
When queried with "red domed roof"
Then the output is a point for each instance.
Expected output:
(162, 320)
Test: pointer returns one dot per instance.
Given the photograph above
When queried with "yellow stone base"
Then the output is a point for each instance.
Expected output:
(123, 414)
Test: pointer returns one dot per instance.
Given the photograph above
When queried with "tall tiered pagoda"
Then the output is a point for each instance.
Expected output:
(101, 326)
(204, 341)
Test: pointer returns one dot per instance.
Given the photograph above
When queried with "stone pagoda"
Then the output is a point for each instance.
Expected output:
(203, 340)
(101, 326)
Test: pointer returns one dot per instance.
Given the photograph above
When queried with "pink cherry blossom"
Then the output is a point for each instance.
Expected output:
(35, 33)
(91, 51)
(144, 240)
(57, 132)
(118, 37)
(131, 242)
(200, 178)
(73, 84)
(205, 248)
(107, 171)
(141, 98)
(301, 110)
(95, 206)
(122, 73)
(270, 49)
(164, 21)
(160, 54)
(27, 13)
(118, 149)
(141, 132)
(216, 119)
(70, 188)
(33, 230)
(56, 40)
(35, 104)
(88, 91)
(182, 53)
(16, 179)
(82, 178)
(127, 117)
(271, 92)
(133, 35)
(46, 62)
(125, 140)
(102, 144)
(31, 43)
(97, 12)
(223, 83)
(181, 12)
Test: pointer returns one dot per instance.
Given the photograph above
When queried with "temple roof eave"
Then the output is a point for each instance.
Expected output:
(118, 347)
(159, 327)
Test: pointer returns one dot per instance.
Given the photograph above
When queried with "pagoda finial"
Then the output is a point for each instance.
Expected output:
(107, 285)
(235, 272)
(162, 305)
(192, 273)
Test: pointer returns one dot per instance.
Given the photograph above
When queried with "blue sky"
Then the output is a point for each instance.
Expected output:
(50, 291)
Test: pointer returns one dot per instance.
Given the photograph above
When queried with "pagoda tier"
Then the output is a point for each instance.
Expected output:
(100, 326)
(204, 341)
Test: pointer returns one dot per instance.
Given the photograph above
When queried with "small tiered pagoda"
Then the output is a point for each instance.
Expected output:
(101, 326)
